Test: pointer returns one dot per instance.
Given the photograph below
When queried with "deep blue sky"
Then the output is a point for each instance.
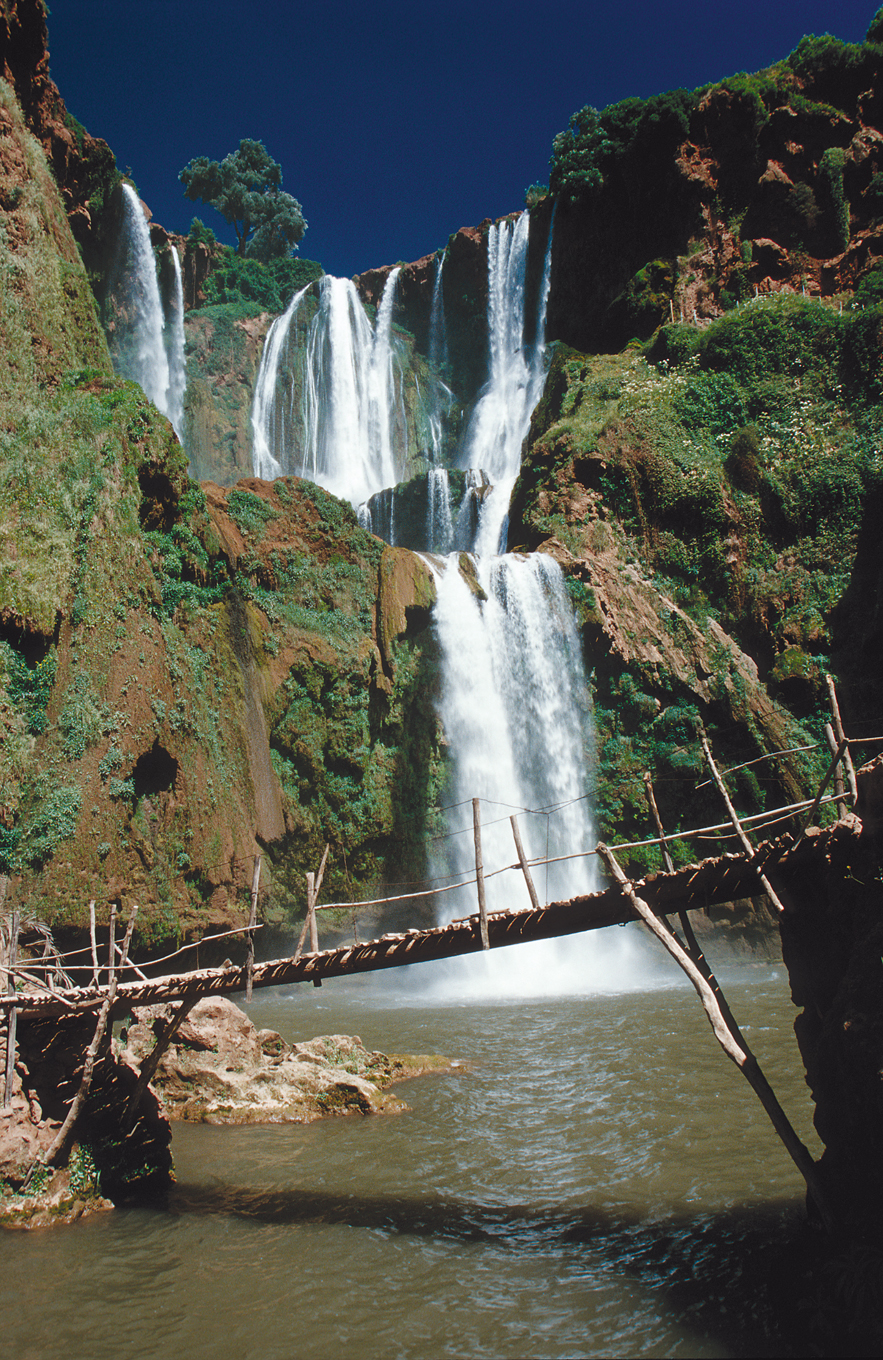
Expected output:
(395, 123)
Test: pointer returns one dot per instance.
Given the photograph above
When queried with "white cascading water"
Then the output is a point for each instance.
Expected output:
(139, 348)
(438, 359)
(439, 522)
(516, 373)
(344, 432)
(264, 413)
(175, 340)
(512, 706)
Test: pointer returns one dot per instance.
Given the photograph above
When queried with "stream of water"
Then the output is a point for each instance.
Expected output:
(595, 1179)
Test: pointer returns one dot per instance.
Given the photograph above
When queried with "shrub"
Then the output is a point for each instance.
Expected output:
(711, 402)
(743, 461)
(249, 512)
(831, 169)
(875, 28)
(262, 287)
(874, 195)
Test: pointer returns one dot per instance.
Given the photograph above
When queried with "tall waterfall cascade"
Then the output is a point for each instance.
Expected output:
(514, 711)
(145, 347)
(516, 373)
(339, 419)
(513, 701)
(175, 347)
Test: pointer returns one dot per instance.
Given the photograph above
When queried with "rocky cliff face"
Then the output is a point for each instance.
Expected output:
(84, 167)
(223, 357)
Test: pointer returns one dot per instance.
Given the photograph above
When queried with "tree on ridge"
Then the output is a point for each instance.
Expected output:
(246, 189)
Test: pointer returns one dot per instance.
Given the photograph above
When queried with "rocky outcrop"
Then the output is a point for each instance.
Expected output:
(221, 1070)
(832, 942)
(103, 1165)
(223, 358)
(693, 218)
(84, 167)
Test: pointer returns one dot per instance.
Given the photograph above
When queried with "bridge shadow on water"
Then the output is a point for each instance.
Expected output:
(743, 1276)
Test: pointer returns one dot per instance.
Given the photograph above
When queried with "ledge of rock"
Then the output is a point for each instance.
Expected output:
(220, 1069)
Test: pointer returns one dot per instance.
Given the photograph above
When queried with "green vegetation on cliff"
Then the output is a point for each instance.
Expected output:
(711, 493)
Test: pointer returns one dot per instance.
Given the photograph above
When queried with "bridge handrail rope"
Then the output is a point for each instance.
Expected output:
(758, 821)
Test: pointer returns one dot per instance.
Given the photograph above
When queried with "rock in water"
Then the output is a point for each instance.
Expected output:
(221, 1070)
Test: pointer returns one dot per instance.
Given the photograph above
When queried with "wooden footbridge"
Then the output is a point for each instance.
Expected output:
(786, 860)
(712, 881)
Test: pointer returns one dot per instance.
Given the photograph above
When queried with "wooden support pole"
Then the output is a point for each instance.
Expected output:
(153, 1059)
(135, 969)
(734, 818)
(479, 873)
(522, 860)
(835, 761)
(12, 1017)
(314, 883)
(60, 1140)
(311, 913)
(654, 813)
(839, 792)
(252, 922)
(111, 963)
(735, 1048)
(841, 736)
(95, 980)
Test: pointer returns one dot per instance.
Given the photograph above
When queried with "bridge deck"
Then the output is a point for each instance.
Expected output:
(720, 879)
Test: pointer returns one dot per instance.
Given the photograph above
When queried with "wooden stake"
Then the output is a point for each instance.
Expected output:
(135, 969)
(111, 966)
(479, 874)
(94, 943)
(735, 1048)
(654, 813)
(252, 922)
(12, 1018)
(734, 818)
(153, 1059)
(835, 761)
(523, 862)
(841, 736)
(313, 886)
(60, 1140)
(838, 772)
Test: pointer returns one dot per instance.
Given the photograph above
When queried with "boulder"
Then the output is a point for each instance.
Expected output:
(220, 1069)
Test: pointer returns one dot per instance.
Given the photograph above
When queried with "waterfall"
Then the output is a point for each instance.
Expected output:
(137, 343)
(175, 353)
(343, 420)
(439, 525)
(516, 372)
(264, 414)
(512, 706)
(438, 361)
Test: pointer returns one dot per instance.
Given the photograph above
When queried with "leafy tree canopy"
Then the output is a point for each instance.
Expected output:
(246, 189)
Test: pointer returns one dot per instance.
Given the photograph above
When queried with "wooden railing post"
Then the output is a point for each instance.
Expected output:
(479, 874)
(841, 736)
(839, 791)
(734, 818)
(252, 922)
(314, 883)
(94, 941)
(12, 1016)
(522, 860)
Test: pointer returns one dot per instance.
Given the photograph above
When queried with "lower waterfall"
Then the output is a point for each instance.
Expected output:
(514, 711)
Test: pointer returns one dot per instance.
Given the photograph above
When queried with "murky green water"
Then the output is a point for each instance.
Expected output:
(599, 1181)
